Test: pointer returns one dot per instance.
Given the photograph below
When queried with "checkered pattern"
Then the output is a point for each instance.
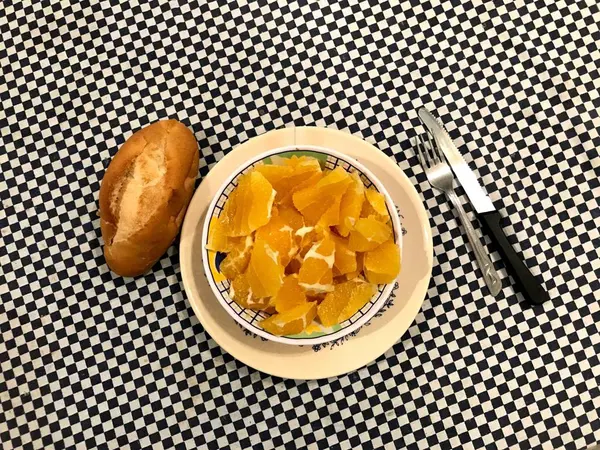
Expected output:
(90, 359)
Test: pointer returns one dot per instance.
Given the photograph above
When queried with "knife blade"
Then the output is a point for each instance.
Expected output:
(490, 218)
(478, 197)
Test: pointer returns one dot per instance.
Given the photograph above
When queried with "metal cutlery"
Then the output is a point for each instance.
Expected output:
(487, 213)
(441, 178)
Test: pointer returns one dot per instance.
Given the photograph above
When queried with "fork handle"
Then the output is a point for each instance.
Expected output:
(531, 288)
(490, 276)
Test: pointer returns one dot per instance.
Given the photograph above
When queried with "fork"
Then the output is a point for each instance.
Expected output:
(440, 177)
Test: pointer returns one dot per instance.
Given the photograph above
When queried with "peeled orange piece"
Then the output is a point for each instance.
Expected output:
(333, 183)
(330, 309)
(315, 275)
(241, 292)
(345, 300)
(279, 176)
(375, 206)
(368, 234)
(249, 205)
(263, 195)
(275, 174)
(265, 272)
(217, 239)
(306, 237)
(382, 265)
(237, 259)
(302, 162)
(306, 201)
(351, 205)
(290, 294)
(358, 242)
(359, 267)
(345, 259)
(361, 293)
(331, 216)
(286, 178)
(280, 238)
(292, 217)
(314, 201)
(293, 321)
(289, 191)
(377, 201)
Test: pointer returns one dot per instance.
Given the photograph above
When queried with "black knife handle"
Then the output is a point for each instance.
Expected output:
(532, 289)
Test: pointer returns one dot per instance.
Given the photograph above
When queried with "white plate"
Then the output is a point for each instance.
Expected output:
(353, 351)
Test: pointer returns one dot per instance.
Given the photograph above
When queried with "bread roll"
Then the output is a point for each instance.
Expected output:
(144, 195)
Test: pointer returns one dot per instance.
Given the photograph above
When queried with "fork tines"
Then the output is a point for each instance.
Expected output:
(429, 155)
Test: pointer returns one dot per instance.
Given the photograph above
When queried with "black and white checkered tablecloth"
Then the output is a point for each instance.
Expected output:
(90, 359)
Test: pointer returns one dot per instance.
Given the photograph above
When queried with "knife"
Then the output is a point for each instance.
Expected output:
(487, 213)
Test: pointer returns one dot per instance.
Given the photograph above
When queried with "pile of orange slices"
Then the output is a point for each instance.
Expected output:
(304, 244)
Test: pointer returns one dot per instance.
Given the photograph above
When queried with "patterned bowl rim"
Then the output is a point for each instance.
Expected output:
(383, 294)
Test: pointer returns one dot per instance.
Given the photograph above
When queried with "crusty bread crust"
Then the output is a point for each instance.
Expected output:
(144, 195)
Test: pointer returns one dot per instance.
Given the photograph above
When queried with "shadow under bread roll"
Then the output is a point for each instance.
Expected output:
(144, 195)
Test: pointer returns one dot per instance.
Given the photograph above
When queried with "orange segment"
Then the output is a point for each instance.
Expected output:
(285, 178)
(280, 238)
(265, 272)
(217, 239)
(232, 211)
(290, 294)
(315, 275)
(351, 205)
(345, 300)
(314, 201)
(237, 259)
(331, 216)
(302, 162)
(241, 292)
(382, 265)
(333, 183)
(359, 267)
(359, 243)
(249, 205)
(375, 206)
(275, 174)
(293, 321)
(292, 217)
(289, 192)
(361, 294)
(307, 236)
(329, 309)
(263, 195)
(368, 233)
(345, 259)
(377, 201)
(311, 208)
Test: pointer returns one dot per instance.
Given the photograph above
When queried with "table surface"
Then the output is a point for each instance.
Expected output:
(91, 359)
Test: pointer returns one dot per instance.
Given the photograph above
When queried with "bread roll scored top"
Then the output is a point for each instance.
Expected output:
(144, 195)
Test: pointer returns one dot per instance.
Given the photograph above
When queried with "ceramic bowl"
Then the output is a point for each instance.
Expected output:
(249, 319)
